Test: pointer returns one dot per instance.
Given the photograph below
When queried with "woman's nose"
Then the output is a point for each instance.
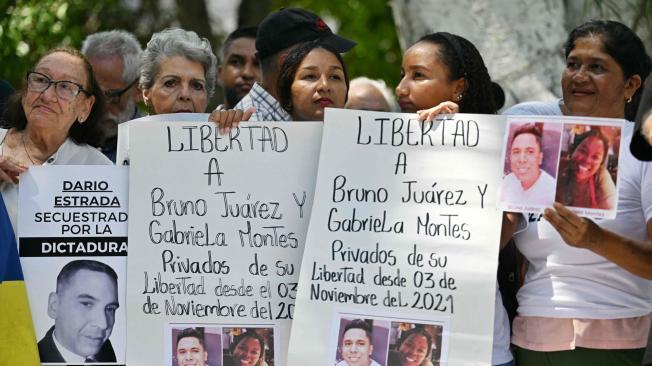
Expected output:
(323, 83)
(184, 93)
(401, 90)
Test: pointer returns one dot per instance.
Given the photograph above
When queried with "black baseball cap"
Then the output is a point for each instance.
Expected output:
(290, 26)
(639, 146)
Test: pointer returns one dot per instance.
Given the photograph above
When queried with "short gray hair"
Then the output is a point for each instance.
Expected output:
(112, 43)
(381, 86)
(173, 42)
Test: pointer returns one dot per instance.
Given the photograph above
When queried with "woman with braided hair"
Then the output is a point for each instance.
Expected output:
(444, 73)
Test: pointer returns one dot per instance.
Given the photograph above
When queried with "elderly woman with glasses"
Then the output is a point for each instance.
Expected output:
(52, 120)
(177, 72)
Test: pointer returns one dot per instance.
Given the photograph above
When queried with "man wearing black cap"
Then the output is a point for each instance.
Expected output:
(277, 34)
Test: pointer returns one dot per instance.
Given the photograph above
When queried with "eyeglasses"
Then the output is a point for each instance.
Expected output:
(65, 89)
(113, 96)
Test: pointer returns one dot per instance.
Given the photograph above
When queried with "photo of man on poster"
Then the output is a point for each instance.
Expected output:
(357, 345)
(191, 348)
(527, 182)
(83, 308)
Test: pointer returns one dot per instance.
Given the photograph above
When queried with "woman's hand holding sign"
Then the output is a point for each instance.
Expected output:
(632, 255)
(575, 230)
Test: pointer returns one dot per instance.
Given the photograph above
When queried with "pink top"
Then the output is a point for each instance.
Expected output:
(562, 334)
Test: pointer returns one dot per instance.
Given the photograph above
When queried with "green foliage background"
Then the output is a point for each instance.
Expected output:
(28, 28)
(368, 22)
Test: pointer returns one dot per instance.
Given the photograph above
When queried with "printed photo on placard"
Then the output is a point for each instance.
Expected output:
(248, 346)
(570, 160)
(530, 165)
(588, 167)
(72, 242)
(414, 344)
(383, 340)
(361, 341)
(194, 345)
(81, 314)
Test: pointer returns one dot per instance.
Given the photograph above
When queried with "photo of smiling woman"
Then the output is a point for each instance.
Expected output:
(414, 344)
(248, 346)
(588, 166)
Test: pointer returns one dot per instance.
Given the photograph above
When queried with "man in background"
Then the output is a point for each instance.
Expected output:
(115, 57)
(240, 68)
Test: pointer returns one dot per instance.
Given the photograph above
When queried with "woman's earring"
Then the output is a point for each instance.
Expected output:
(629, 100)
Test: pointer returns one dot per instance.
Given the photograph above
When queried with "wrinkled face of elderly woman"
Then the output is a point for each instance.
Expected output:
(57, 94)
(180, 86)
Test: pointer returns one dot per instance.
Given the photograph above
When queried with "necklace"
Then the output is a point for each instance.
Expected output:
(22, 137)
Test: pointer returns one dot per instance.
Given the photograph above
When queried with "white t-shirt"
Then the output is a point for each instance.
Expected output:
(69, 153)
(567, 282)
(542, 192)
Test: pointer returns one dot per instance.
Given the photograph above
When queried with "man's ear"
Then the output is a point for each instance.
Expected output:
(53, 305)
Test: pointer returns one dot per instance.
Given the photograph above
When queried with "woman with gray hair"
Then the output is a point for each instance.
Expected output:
(177, 72)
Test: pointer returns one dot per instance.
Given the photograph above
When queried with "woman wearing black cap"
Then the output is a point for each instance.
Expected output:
(277, 35)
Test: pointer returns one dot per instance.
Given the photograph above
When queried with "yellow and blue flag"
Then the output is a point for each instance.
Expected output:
(17, 338)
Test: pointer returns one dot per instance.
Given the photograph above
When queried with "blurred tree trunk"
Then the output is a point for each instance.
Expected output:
(251, 12)
(192, 15)
(520, 41)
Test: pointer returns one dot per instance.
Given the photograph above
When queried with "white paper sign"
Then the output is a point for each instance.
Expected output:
(571, 160)
(72, 228)
(218, 224)
(404, 237)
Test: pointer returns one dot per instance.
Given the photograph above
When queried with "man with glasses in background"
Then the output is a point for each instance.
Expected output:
(115, 57)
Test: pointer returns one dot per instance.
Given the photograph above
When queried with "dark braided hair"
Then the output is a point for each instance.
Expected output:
(463, 60)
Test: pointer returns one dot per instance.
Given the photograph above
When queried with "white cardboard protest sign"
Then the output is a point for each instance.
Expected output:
(122, 149)
(218, 225)
(76, 217)
(404, 233)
